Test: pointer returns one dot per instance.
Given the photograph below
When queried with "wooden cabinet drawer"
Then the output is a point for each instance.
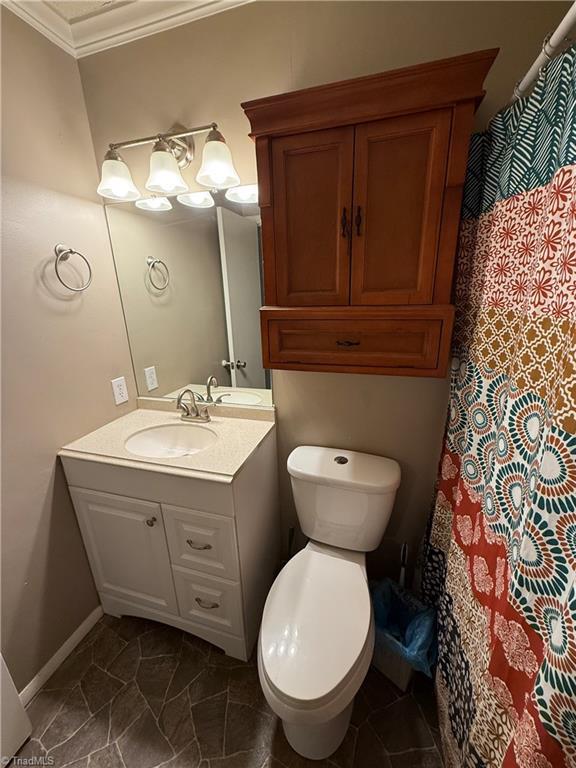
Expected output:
(380, 341)
(201, 541)
(207, 600)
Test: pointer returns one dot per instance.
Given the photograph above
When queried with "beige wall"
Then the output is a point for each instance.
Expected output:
(202, 71)
(59, 350)
(181, 330)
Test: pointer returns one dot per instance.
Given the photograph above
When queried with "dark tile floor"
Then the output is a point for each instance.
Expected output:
(136, 694)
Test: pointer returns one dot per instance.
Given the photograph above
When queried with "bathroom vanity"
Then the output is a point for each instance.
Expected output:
(180, 520)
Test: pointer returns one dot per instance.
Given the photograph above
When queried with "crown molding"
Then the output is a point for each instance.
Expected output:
(118, 25)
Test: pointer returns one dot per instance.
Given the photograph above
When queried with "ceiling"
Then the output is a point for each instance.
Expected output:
(84, 27)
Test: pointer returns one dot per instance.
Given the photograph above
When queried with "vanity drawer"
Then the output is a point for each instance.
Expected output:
(201, 541)
(207, 600)
(381, 341)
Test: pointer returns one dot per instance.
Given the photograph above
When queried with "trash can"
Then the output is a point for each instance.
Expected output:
(405, 633)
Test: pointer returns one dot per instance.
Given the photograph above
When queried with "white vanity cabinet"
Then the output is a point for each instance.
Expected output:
(195, 550)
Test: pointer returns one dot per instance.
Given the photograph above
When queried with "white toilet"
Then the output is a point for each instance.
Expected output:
(317, 634)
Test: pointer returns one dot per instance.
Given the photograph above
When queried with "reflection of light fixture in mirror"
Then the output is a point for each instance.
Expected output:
(217, 170)
(246, 194)
(154, 203)
(116, 181)
(165, 176)
(196, 199)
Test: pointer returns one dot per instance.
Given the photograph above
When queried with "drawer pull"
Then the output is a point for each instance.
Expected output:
(206, 604)
(347, 343)
(194, 545)
(151, 522)
(344, 223)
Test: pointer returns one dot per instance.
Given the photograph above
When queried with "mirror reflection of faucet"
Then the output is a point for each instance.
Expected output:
(213, 382)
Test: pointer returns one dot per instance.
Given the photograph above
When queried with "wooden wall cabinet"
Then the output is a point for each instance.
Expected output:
(360, 187)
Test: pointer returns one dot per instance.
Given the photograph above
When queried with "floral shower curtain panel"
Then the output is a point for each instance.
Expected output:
(501, 558)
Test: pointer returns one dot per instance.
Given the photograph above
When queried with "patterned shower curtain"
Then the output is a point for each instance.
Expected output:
(501, 558)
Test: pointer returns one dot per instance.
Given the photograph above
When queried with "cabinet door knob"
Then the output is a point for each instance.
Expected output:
(359, 221)
(344, 223)
(151, 522)
(347, 343)
(195, 545)
(240, 364)
(206, 604)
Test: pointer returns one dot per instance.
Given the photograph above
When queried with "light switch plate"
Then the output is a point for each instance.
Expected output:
(120, 390)
(151, 378)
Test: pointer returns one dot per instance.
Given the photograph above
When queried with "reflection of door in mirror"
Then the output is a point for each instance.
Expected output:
(240, 255)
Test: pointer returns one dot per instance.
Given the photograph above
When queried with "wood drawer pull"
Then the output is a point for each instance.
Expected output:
(347, 343)
(206, 604)
(194, 545)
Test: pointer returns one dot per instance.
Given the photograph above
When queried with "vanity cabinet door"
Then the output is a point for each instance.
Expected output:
(399, 176)
(312, 192)
(126, 546)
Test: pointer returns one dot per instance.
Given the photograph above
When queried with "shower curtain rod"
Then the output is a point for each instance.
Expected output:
(553, 45)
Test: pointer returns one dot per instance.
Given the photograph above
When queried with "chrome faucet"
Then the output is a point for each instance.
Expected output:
(213, 382)
(191, 412)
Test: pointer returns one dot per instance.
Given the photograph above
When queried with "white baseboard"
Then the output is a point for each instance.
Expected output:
(28, 693)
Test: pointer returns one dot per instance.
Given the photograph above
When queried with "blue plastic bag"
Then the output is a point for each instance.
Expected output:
(405, 625)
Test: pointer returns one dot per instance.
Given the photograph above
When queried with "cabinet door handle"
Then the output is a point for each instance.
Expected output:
(206, 604)
(344, 223)
(359, 221)
(195, 545)
(151, 522)
(347, 343)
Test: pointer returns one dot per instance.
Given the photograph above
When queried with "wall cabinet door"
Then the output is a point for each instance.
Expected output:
(399, 175)
(312, 192)
(126, 546)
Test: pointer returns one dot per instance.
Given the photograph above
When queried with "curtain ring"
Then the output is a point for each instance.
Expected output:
(153, 263)
(63, 253)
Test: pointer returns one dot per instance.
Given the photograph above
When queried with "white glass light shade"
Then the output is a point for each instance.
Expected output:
(116, 181)
(196, 199)
(165, 176)
(217, 170)
(154, 204)
(246, 194)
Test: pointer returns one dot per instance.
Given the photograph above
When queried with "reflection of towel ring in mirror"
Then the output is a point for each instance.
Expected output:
(63, 253)
(152, 263)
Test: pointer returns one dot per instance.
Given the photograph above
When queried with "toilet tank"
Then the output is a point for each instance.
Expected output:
(343, 498)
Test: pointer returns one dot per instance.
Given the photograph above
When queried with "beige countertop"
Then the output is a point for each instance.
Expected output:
(237, 439)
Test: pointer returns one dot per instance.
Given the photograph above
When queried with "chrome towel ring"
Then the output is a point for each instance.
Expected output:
(63, 253)
(155, 264)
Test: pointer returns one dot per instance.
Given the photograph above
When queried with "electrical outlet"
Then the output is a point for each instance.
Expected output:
(151, 378)
(120, 390)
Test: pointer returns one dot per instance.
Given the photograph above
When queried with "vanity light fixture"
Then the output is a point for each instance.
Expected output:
(154, 203)
(217, 170)
(172, 152)
(116, 180)
(165, 176)
(245, 194)
(196, 199)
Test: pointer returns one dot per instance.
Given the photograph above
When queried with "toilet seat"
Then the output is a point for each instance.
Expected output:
(317, 633)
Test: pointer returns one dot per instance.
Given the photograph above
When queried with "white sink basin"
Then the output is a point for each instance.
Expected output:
(170, 441)
(241, 398)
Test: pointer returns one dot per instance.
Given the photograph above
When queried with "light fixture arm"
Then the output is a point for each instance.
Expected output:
(162, 136)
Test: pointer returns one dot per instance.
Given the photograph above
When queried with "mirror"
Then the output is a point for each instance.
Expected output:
(191, 287)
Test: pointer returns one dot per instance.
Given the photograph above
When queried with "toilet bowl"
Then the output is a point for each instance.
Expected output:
(317, 634)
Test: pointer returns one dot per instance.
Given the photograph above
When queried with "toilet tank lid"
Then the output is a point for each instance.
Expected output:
(347, 469)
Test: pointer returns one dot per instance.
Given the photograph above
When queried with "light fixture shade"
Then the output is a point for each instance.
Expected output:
(217, 170)
(165, 176)
(154, 203)
(196, 199)
(116, 180)
(245, 194)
